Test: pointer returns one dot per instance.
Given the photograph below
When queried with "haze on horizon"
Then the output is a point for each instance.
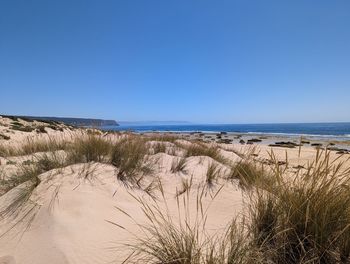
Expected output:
(198, 61)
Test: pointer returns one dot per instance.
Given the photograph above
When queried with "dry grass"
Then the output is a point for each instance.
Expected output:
(130, 157)
(182, 240)
(89, 148)
(178, 165)
(212, 174)
(159, 147)
(186, 185)
(26, 179)
(306, 219)
(2, 136)
(202, 149)
(4, 151)
(251, 174)
(32, 146)
(301, 218)
(162, 137)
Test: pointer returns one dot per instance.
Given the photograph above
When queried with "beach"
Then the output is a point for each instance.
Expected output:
(97, 207)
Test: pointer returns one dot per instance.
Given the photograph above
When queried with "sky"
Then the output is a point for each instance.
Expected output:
(201, 61)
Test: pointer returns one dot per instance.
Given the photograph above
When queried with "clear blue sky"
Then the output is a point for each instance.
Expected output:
(202, 61)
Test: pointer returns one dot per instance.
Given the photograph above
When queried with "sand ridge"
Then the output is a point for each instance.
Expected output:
(82, 213)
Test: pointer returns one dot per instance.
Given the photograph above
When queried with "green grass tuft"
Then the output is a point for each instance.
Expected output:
(89, 148)
(306, 218)
(130, 157)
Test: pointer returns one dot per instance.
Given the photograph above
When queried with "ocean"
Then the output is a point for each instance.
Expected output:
(339, 131)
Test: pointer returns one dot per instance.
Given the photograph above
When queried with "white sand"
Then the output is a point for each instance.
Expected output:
(74, 206)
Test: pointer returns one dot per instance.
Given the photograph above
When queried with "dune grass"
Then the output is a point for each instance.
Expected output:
(186, 185)
(162, 137)
(212, 174)
(251, 174)
(307, 218)
(4, 151)
(293, 218)
(159, 147)
(89, 148)
(202, 149)
(184, 239)
(300, 218)
(31, 146)
(2, 136)
(178, 165)
(26, 179)
(129, 156)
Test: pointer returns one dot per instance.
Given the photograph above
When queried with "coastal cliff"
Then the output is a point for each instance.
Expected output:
(71, 120)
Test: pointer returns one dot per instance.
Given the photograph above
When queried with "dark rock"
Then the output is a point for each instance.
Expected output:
(339, 150)
(343, 151)
(242, 141)
(284, 144)
(225, 141)
(254, 140)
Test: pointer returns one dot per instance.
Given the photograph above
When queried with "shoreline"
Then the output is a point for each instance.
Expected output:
(81, 177)
(261, 139)
(328, 131)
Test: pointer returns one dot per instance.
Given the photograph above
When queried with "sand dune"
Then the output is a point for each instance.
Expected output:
(82, 213)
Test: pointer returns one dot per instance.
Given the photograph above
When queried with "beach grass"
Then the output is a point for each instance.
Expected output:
(31, 146)
(250, 174)
(213, 173)
(129, 156)
(26, 178)
(306, 218)
(184, 239)
(88, 149)
(178, 165)
(202, 149)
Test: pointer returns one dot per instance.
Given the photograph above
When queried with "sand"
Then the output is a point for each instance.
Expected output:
(83, 214)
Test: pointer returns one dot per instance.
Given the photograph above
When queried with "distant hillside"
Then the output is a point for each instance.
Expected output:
(72, 120)
(154, 122)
